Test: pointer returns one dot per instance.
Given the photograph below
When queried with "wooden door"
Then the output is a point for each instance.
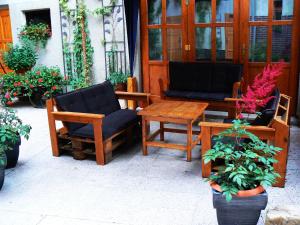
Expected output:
(5, 34)
(164, 38)
(270, 32)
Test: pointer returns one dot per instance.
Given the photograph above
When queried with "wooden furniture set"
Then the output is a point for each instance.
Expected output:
(93, 116)
(206, 82)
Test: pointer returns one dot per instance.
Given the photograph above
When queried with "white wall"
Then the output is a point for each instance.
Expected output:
(52, 54)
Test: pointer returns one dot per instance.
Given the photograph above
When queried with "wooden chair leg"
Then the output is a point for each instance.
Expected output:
(52, 128)
(205, 146)
(162, 132)
(99, 147)
(145, 135)
(189, 141)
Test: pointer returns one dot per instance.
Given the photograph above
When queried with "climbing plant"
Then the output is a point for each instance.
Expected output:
(82, 48)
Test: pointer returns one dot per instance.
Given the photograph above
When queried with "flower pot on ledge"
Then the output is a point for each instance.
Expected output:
(23, 71)
(121, 87)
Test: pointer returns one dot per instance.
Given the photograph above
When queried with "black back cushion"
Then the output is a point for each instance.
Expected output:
(267, 113)
(101, 98)
(225, 75)
(190, 76)
(72, 102)
(98, 99)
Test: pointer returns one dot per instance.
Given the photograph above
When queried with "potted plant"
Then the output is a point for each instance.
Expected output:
(37, 33)
(21, 57)
(11, 129)
(119, 80)
(238, 186)
(42, 83)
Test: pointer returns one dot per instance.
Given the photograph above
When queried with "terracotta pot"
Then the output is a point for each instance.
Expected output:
(23, 71)
(121, 87)
(246, 193)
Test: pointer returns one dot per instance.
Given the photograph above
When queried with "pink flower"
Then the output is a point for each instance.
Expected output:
(7, 95)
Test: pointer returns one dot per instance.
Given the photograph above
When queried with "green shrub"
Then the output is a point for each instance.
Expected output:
(37, 33)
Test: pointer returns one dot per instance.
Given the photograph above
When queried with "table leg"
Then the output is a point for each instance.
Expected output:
(189, 141)
(162, 133)
(145, 135)
(205, 146)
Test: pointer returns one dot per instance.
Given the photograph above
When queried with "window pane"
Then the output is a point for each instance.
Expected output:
(283, 9)
(258, 44)
(174, 39)
(203, 43)
(281, 43)
(155, 44)
(154, 11)
(174, 11)
(203, 11)
(259, 10)
(224, 39)
(225, 11)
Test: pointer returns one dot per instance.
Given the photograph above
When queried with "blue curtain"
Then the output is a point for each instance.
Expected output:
(132, 12)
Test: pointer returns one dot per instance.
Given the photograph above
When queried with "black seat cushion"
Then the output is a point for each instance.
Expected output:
(112, 124)
(224, 76)
(267, 113)
(101, 98)
(208, 96)
(72, 102)
(190, 76)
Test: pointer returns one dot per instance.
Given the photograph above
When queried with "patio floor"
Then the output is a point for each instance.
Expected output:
(161, 188)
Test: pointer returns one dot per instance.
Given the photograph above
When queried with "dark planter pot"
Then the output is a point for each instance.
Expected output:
(121, 87)
(13, 155)
(37, 99)
(240, 210)
(2, 176)
(23, 71)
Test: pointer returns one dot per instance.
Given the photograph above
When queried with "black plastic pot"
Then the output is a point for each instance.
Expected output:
(2, 175)
(240, 210)
(37, 100)
(13, 155)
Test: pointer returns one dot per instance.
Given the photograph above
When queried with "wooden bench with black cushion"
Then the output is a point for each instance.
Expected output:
(92, 115)
(206, 82)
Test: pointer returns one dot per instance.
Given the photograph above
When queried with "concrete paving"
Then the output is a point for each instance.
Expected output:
(161, 188)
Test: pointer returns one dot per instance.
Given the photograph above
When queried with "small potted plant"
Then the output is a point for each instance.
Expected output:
(119, 80)
(37, 33)
(20, 57)
(11, 129)
(42, 83)
(238, 185)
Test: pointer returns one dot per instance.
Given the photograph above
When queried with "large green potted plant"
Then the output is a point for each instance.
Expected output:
(119, 80)
(11, 129)
(247, 162)
(20, 57)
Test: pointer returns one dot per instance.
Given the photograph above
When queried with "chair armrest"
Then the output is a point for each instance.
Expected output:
(136, 96)
(228, 125)
(76, 117)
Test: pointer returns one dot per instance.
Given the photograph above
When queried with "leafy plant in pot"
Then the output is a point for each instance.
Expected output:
(119, 80)
(11, 130)
(21, 57)
(238, 186)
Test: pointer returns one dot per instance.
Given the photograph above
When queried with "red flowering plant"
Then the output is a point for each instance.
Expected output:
(12, 86)
(46, 81)
(248, 161)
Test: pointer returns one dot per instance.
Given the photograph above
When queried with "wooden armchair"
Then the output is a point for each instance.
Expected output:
(92, 117)
(276, 132)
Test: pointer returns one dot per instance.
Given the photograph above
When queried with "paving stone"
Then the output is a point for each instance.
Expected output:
(283, 215)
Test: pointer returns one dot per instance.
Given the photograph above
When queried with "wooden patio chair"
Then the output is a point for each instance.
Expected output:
(275, 132)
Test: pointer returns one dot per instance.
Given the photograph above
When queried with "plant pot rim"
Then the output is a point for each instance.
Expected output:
(243, 193)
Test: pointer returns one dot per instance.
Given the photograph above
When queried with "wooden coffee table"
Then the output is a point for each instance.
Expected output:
(177, 112)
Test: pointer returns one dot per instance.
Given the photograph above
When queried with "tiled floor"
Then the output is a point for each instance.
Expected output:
(161, 188)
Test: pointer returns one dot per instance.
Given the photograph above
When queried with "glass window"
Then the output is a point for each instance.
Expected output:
(155, 44)
(283, 9)
(203, 11)
(154, 11)
(224, 11)
(281, 43)
(258, 44)
(224, 45)
(174, 39)
(259, 10)
(174, 11)
(203, 43)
